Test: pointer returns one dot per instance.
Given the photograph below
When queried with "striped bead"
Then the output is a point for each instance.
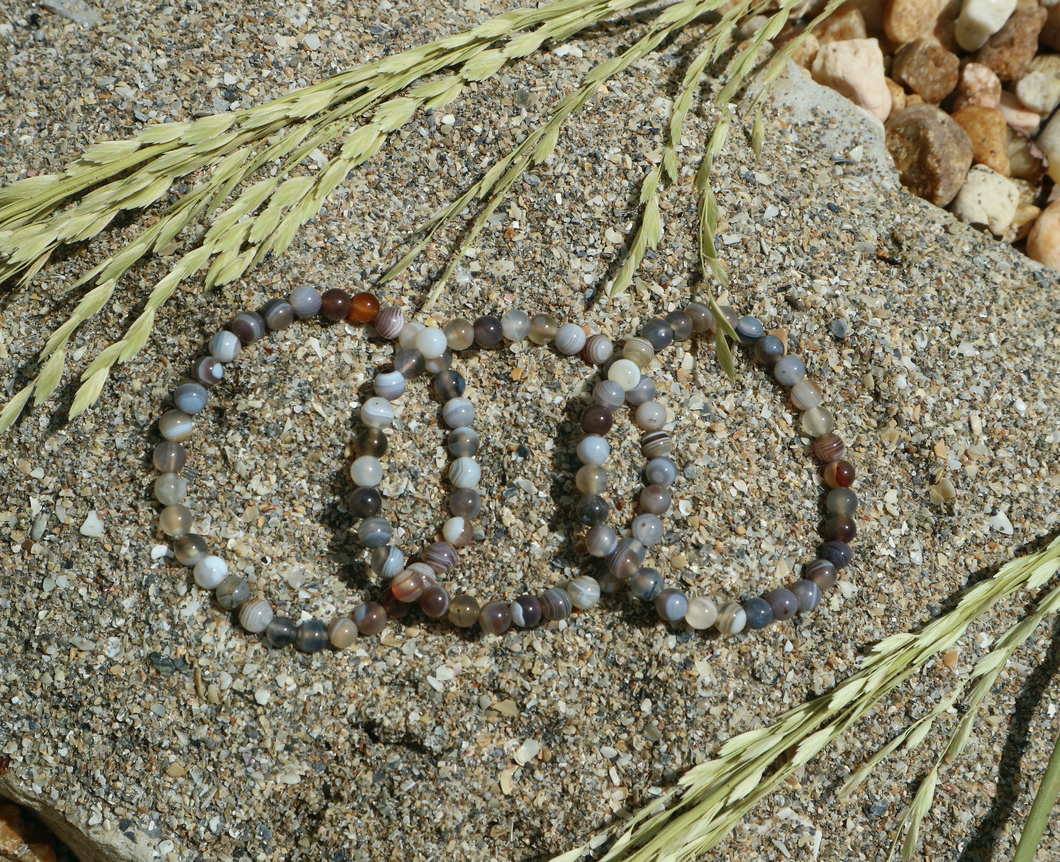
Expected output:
(255, 615)
(389, 322)
(441, 557)
(555, 604)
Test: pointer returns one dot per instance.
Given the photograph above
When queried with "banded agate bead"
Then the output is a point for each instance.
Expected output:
(342, 632)
(488, 331)
(644, 391)
(190, 549)
(364, 308)
(463, 611)
(232, 592)
(526, 611)
(335, 304)
(389, 322)
(829, 447)
(374, 532)
(305, 301)
(176, 425)
(658, 333)
(789, 370)
(175, 521)
(701, 613)
(465, 503)
(837, 552)
(806, 394)
(248, 326)
(191, 397)
(593, 450)
(390, 385)
(671, 605)
(459, 333)
(377, 412)
(598, 349)
(225, 347)
(408, 585)
(449, 385)
(623, 563)
(601, 541)
(609, 395)
(656, 444)
(732, 619)
(280, 632)
(458, 413)
(749, 330)
(821, 572)
(277, 314)
(463, 442)
(255, 615)
(638, 351)
(409, 361)
(759, 613)
(783, 603)
(769, 350)
(839, 474)
(441, 557)
(555, 604)
(515, 325)
(584, 592)
(661, 472)
(807, 594)
(366, 471)
(458, 532)
(370, 618)
(387, 561)
(208, 371)
(570, 339)
(171, 489)
(465, 473)
(646, 584)
(434, 601)
(495, 618)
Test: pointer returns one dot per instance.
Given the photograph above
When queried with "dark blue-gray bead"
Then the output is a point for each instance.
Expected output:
(641, 393)
(749, 329)
(646, 584)
(312, 636)
(769, 350)
(759, 613)
(191, 397)
(280, 632)
(449, 384)
(592, 510)
(837, 553)
(658, 332)
(789, 370)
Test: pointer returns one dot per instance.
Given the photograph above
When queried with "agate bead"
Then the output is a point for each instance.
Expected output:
(434, 601)
(591, 479)
(389, 322)
(377, 412)
(280, 632)
(681, 323)
(441, 557)
(593, 450)
(465, 503)
(409, 332)
(543, 328)
(171, 489)
(732, 619)
(374, 532)
(701, 316)
(625, 373)
(390, 385)
(650, 416)
(822, 573)
(655, 500)
(305, 301)
(495, 618)
(465, 473)
(658, 333)
(592, 510)
(623, 563)
(459, 334)
(661, 472)
(597, 420)
(225, 347)
(671, 605)
(370, 441)
(730, 316)
(783, 603)
(817, 421)
(598, 349)
(248, 326)
(439, 363)
(584, 592)
(449, 385)
(555, 604)
(431, 343)
(570, 339)
(364, 308)
(409, 362)
(829, 447)
(190, 549)
(169, 457)
(609, 395)
(335, 304)
(806, 394)
(638, 351)
(458, 532)
(636, 547)
(387, 562)
(759, 613)
(841, 501)
(175, 521)
(208, 371)
(277, 314)
(255, 615)
(789, 370)
(656, 444)
(209, 572)
(840, 528)
(366, 471)
(646, 584)
(408, 585)
(176, 425)
(515, 325)
(342, 632)
(191, 397)
(601, 541)
(701, 613)
(392, 606)
(839, 474)
(463, 611)
(749, 330)
(370, 618)
(232, 592)
(838, 553)
(642, 393)
(807, 594)
(526, 611)
(769, 350)
(488, 331)
(648, 529)
(458, 413)
(463, 442)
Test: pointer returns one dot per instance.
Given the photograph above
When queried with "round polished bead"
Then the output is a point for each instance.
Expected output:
(601, 541)
(526, 611)
(364, 308)
(458, 532)
(749, 330)
(449, 385)
(175, 521)
(807, 594)
(591, 479)
(658, 333)
(555, 604)
(625, 373)
(465, 503)
(841, 501)
(651, 416)
(681, 323)
(434, 601)
(366, 471)
(591, 510)
(390, 385)
(730, 315)
(671, 605)
(210, 571)
(636, 547)
(176, 425)
(232, 592)
(822, 573)
(817, 421)
(732, 619)
(841, 528)
(408, 585)
(374, 532)
(431, 343)
(702, 317)
(598, 349)
(439, 364)
(387, 562)
(248, 326)
(646, 584)
(465, 473)
(365, 503)
(759, 613)
(495, 618)
(305, 301)
(638, 351)
(570, 339)
(255, 615)
(169, 457)
(488, 331)
(769, 350)
(459, 334)
(515, 325)
(377, 413)
(543, 328)
(463, 442)
(441, 557)
(458, 413)
(609, 395)
(208, 371)
(389, 322)
(277, 314)
(225, 347)
(392, 606)
(837, 552)
(656, 444)
(370, 618)
(170, 489)
(463, 611)
(370, 441)
(701, 613)
(280, 632)
(655, 499)
(783, 604)
(597, 420)
(189, 549)
(342, 632)
(584, 592)
(191, 397)
(648, 529)
(409, 333)
(335, 304)
(661, 471)
(839, 474)
(789, 370)
(623, 563)
(806, 394)
(642, 393)
(829, 447)
(593, 450)
(409, 362)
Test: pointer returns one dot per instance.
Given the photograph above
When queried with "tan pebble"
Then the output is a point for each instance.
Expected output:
(949, 658)
(1026, 161)
(988, 200)
(977, 86)
(914, 99)
(871, 13)
(1049, 144)
(1026, 215)
(989, 135)
(1043, 242)
(905, 20)
(931, 152)
(1050, 35)
(1018, 115)
(855, 69)
(898, 97)
(945, 29)
(806, 51)
(1010, 50)
(842, 25)
(926, 68)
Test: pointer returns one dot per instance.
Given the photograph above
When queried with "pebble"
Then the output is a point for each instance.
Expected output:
(1026, 161)
(898, 96)
(1043, 242)
(926, 68)
(312, 42)
(1049, 143)
(839, 329)
(1018, 115)
(988, 131)
(987, 199)
(1039, 91)
(1009, 51)
(905, 20)
(978, 86)
(855, 69)
(261, 695)
(932, 153)
(981, 19)
(93, 526)
(844, 24)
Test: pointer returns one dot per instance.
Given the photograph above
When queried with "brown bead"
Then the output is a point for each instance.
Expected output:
(371, 441)
(839, 474)
(821, 572)
(363, 308)
(435, 601)
(829, 448)
(370, 618)
(840, 528)
(463, 611)
(488, 331)
(495, 618)
(597, 420)
(335, 304)
(394, 607)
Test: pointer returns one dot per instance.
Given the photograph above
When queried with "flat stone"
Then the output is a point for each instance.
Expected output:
(988, 131)
(1009, 51)
(855, 69)
(932, 153)
(926, 68)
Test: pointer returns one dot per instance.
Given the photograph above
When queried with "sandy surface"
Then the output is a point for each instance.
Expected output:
(405, 746)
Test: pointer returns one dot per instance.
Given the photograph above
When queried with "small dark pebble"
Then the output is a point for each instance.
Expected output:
(167, 666)
(523, 451)
(833, 207)
(34, 20)
(840, 329)
(879, 807)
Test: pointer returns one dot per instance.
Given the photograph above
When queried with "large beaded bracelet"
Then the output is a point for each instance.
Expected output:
(431, 349)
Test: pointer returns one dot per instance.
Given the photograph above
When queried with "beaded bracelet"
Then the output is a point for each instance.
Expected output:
(431, 349)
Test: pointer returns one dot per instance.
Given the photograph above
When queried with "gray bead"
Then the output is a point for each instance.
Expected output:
(440, 364)
(190, 549)
(636, 547)
(515, 325)
(465, 503)
(646, 584)
(661, 472)
(841, 501)
(769, 350)
(248, 326)
(749, 329)
(601, 541)
(593, 450)
(463, 442)
(789, 370)
(278, 314)
(759, 613)
(609, 394)
(225, 347)
(374, 532)
(171, 489)
(449, 384)
(191, 397)
(458, 413)
(643, 392)
(807, 594)
(175, 425)
(410, 362)
(659, 333)
(671, 605)
(312, 636)
(387, 561)
(390, 385)
(648, 529)
(280, 632)
(232, 592)
(305, 301)
(655, 499)
(702, 317)
(570, 339)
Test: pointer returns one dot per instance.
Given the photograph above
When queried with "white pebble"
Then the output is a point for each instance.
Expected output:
(93, 526)
(262, 696)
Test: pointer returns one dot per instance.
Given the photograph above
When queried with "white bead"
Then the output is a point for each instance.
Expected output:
(176, 425)
(210, 571)
(255, 615)
(584, 592)
(366, 471)
(387, 561)
(593, 450)
(570, 339)
(409, 331)
(453, 529)
(390, 385)
(465, 473)
(701, 612)
(458, 413)
(377, 413)
(625, 373)
(225, 347)
(431, 343)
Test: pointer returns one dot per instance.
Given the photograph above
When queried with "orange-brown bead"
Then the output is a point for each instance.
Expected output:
(839, 474)
(364, 308)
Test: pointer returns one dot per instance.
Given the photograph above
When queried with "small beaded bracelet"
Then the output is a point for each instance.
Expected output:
(431, 349)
